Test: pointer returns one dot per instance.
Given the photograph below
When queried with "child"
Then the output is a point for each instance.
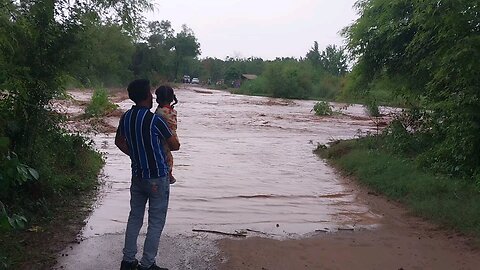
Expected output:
(165, 97)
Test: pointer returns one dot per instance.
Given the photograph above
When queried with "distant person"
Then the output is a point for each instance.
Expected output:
(166, 100)
(140, 135)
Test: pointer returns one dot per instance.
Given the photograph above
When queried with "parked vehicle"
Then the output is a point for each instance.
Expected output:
(195, 81)
(186, 79)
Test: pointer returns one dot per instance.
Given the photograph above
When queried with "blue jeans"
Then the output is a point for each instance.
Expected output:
(157, 192)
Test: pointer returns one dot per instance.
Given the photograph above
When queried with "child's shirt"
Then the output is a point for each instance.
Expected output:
(170, 116)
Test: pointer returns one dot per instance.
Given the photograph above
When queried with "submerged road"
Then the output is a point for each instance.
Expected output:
(245, 164)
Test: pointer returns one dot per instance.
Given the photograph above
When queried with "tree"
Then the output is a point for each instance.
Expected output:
(103, 54)
(37, 50)
(232, 73)
(214, 68)
(161, 34)
(185, 45)
(313, 55)
(166, 54)
(334, 61)
(154, 59)
(431, 49)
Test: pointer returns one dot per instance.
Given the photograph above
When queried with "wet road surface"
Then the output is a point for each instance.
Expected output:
(245, 163)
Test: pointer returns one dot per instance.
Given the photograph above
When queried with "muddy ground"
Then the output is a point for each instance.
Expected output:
(401, 242)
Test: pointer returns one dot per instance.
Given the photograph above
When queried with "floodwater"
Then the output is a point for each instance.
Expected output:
(245, 163)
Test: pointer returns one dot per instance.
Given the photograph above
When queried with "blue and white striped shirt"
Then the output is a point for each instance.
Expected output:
(144, 131)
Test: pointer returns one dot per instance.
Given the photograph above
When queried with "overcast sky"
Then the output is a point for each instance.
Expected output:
(260, 28)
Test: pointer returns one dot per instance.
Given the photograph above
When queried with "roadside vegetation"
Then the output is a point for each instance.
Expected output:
(44, 169)
(426, 53)
(446, 200)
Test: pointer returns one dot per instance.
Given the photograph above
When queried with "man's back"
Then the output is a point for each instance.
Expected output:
(143, 132)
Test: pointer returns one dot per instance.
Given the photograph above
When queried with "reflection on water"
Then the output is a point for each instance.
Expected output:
(245, 163)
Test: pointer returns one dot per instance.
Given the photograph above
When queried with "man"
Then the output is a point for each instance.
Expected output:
(139, 135)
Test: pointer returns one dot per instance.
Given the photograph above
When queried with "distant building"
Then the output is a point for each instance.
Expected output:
(249, 77)
(246, 77)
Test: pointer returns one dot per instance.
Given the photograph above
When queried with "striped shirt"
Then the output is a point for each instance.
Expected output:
(144, 131)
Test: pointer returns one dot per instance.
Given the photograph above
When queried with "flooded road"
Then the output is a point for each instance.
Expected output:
(245, 163)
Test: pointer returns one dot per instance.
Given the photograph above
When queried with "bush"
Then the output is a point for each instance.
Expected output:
(294, 79)
(100, 105)
(57, 174)
(430, 62)
(66, 165)
(372, 107)
(323, 108)
(443, 199)
(288, 80)
(255, 87)
(13, 222)
(327, 86)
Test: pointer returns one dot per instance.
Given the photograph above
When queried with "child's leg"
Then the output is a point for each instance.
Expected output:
(170, 165)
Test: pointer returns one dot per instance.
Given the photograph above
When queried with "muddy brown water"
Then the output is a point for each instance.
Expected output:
(245, 163)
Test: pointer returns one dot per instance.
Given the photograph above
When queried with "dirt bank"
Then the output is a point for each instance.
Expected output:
(401, 241)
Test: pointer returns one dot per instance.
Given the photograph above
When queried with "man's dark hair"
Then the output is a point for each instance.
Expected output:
(138, 90)
(165, 94)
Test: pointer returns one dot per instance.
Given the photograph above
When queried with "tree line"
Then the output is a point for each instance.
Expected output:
(111, 57)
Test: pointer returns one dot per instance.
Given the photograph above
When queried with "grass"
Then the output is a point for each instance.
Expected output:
(454, 203)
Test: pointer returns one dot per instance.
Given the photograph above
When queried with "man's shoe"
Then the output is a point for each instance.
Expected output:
(153, 267)
(129, 265)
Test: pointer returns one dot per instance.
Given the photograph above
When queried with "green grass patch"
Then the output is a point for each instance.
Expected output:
(447, 201)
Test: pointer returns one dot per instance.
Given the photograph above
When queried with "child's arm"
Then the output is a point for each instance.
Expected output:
(172, 121)
(173, 143)
(170, 116)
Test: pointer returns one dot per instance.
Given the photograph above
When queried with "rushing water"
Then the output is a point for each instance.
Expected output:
(245, 163)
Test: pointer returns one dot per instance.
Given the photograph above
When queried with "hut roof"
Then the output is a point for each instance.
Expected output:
(249, 76)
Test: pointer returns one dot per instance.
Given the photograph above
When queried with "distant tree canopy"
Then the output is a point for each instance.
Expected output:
(430, 50)
(165, 56)
(319, 75)
(332, 60)
(104, 52)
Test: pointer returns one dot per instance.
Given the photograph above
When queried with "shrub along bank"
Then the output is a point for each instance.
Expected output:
(66, 169)
(452, 202)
